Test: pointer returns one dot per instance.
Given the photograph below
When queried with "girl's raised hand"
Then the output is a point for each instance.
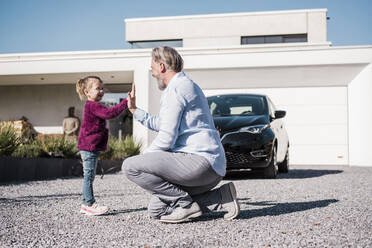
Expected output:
(132, 99)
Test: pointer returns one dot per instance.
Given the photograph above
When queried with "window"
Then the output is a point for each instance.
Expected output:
(152, 44)
(121, 126)
(225, 105)
(111, 99)
(269, 39)
(274, 39)
(295, 38)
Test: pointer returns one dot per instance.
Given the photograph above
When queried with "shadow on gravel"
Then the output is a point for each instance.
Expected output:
(307, 173)
(20, 182)
(49, 197)
(273, 209)
(268, 209)
(124, 211)
(38, 198)
(292, 174)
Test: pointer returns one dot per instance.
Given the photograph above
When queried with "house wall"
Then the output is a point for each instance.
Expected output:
(292, 70)
(227, 29)
(312, 85)
(45, 106)
(360, 118)
(316, 122)
(20, 78)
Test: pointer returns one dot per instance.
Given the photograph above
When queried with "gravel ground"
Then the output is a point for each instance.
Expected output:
(311, 206)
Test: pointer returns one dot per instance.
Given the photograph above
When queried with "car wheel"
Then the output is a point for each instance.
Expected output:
(283, 167)
(271, 171)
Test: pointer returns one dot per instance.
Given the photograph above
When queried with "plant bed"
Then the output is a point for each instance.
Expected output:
(48, 156)
(15, 169)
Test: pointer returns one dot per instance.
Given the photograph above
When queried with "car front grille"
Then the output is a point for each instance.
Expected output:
(238, 158)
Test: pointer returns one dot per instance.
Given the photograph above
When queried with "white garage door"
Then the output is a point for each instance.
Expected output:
(316, 121)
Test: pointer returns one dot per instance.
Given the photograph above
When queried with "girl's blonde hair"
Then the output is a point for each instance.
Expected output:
(83, 84)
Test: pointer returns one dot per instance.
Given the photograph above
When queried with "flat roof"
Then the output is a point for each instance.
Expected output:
(225, 15)
(146, 52)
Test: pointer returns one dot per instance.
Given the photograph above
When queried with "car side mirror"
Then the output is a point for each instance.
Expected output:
(279, 114)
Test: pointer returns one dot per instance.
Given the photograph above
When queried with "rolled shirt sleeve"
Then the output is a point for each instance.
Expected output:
(147, 120)
(167, 125)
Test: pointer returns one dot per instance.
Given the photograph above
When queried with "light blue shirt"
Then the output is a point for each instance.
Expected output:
(184, 123)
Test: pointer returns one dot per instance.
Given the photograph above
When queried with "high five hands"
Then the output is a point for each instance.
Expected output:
(132, 99)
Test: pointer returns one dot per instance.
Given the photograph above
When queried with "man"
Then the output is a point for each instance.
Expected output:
(186, 160)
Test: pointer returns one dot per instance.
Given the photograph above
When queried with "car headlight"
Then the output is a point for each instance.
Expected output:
(254, 129)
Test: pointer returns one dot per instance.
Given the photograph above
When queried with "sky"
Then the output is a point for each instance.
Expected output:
(80, 25)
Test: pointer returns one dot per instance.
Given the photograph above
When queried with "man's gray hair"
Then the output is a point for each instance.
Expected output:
(171, 59)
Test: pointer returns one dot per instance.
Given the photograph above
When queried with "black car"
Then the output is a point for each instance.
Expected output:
(252, 132)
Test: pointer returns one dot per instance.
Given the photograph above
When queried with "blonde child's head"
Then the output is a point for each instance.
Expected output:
(84, 84)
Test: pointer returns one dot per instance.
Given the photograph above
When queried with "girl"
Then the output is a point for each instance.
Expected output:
(93, 136)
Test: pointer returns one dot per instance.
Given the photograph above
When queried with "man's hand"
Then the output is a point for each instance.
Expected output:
(132, 99)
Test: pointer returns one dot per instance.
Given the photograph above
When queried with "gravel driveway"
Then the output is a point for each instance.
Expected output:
(312, 206)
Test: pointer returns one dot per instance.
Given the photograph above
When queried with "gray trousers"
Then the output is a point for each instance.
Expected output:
(174, 179)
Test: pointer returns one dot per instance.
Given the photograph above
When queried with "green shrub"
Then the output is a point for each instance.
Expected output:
(9, 140)
(120, 149)
(61, 146)
(29, 150)
(131, 147)
(56, 145)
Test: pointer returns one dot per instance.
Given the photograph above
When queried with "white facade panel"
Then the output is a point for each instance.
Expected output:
(321, 134)
(316, 26)
(316, 121)
(226, 29)
(321, 154)
(211, 41)
(360, 118)
(325, 114)
(275, 76)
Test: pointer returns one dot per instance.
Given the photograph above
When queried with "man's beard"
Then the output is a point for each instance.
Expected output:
(161, 84)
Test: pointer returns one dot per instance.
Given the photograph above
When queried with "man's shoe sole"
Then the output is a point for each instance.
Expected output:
(235, 201)
(188, 218)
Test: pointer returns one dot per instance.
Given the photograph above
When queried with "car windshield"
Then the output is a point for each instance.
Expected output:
(226, 105)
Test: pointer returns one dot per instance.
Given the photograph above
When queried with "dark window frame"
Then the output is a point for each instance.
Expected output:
(264, 39)
(155, 43)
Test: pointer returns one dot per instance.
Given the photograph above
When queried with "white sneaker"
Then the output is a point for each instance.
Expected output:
(229, 201)
(95, 209)
(182, 214)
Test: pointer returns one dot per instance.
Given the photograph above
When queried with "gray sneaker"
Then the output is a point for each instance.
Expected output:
(182, 214)
(229, 201)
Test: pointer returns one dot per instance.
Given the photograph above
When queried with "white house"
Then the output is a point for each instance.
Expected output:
(326, 91)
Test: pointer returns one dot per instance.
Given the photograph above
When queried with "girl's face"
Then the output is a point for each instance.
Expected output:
(94, 91)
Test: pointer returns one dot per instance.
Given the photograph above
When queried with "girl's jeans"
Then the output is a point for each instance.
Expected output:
(90, 160)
